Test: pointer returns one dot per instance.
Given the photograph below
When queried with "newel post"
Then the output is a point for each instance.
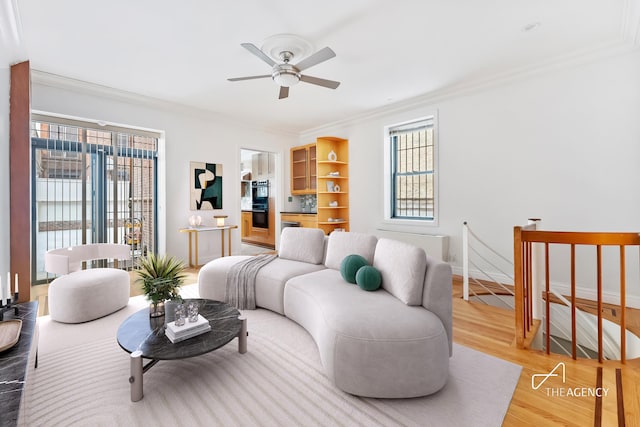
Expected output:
(518, 286)
(537, 272)
(465, 261)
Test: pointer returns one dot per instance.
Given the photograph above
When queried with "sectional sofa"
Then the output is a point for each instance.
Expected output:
(394, 342)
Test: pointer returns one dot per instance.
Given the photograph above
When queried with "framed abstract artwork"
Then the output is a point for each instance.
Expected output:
(205, 186)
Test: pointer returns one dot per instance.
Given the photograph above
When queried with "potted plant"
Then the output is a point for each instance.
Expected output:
(161, 277)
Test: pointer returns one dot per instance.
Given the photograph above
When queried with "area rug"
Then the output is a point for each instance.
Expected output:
(82, 378)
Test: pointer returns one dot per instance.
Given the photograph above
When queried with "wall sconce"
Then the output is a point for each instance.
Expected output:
(220, 220)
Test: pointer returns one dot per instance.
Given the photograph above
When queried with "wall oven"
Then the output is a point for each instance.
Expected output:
(260, 204)
(260, 217)
(260, 191)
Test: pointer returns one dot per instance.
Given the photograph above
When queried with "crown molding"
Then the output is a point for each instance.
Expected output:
(12, 50)
(67, 83)
(630, 25)
(617, 47)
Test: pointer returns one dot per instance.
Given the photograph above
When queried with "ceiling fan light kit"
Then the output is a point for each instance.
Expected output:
(285, 47)
(285, 74)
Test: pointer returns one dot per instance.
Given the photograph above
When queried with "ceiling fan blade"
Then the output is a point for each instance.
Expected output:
(331, 84)
(318, 57)
(257, 52)
(284, 92)
(237, 79)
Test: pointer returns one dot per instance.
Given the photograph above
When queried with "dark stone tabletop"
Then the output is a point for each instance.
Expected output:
(142, 332)
(13, 364)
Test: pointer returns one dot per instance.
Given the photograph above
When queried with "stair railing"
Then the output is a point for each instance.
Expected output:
(610, 346)
(473, 245)
(525, 238)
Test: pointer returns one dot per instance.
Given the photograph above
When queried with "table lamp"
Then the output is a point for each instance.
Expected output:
(220, 220)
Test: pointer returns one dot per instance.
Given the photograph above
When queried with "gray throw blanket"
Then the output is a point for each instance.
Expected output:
(241, 282)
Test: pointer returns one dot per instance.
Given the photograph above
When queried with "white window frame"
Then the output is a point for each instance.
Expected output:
(388, 179)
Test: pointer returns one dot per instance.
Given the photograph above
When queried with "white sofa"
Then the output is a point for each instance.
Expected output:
(82, 295)
(391, 343)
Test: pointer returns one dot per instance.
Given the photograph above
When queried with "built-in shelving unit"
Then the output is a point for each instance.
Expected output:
(333, 183)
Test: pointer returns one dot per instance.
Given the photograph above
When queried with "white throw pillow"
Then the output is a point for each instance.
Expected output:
(302, 244)
(403, 267)
(343, 243)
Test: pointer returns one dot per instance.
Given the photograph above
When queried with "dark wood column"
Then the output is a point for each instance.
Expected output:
(20, 196)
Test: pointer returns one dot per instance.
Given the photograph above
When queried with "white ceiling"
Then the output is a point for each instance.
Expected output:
(387, 51)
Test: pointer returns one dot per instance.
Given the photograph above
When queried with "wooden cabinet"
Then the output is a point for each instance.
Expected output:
(256, 235)
(333, 183)
(246, 225)
(303, 169)
(305, 220)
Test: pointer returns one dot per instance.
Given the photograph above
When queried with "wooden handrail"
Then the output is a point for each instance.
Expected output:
(524, 238)
(580, 237)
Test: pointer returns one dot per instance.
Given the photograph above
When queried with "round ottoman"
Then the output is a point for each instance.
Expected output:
(86, 295)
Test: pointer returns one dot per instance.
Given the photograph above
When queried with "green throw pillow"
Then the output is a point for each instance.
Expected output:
(368, 278)
(350, 266)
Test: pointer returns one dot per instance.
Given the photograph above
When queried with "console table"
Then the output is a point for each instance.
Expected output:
(195, 231)
(14, 363)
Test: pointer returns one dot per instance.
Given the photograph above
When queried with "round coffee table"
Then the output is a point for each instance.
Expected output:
(143, 337)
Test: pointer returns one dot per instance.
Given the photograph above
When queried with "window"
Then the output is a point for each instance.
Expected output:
(91, 185)
(413, 170)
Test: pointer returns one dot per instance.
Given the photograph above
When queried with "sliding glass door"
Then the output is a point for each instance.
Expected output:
(91, 186)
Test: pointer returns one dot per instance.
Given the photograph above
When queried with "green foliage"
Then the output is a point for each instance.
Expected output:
(161, 277)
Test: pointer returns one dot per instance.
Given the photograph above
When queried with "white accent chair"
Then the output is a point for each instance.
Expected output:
(82, 295)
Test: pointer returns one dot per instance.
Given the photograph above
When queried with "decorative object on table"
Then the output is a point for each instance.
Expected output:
(195, 220)
(332, 156)
(330, 186)
(205, 186)
(336, 188)
(220, 220)
(333, 204)
(161, 277)
(9, 333)
(179, 315)
(8, 303)
(177, 333)
(192, 310)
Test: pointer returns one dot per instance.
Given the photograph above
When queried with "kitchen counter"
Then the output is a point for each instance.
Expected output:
(304, 219)
(297, 213)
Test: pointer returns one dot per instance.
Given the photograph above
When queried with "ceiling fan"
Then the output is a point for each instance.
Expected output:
(287, 75)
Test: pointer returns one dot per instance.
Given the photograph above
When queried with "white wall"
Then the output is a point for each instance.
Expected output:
(189, 136)
(562, 145)
(4, 171)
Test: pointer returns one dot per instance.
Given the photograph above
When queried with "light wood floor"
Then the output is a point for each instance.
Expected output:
(491, 330)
